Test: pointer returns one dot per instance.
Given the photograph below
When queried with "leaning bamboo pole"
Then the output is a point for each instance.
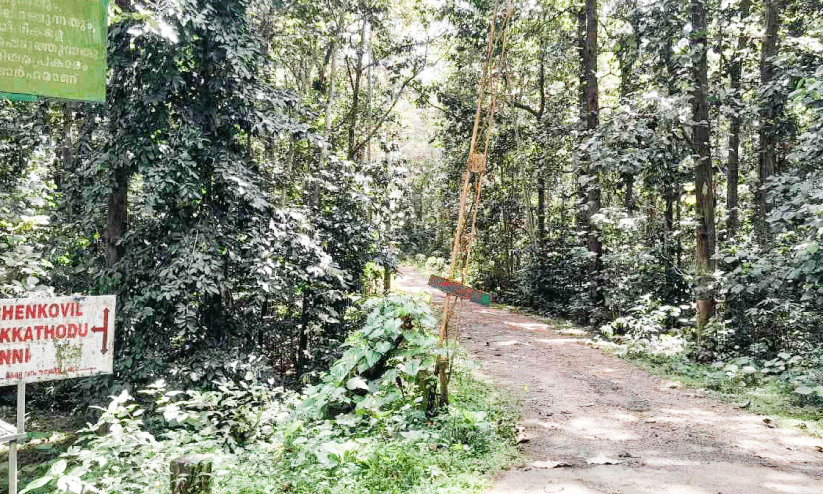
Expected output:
(472, 179)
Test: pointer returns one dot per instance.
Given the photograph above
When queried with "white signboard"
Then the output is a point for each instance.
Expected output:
(56, 338)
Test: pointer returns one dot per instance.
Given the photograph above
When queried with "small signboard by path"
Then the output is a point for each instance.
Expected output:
(460, 290)
(44, 339)
(56, 338)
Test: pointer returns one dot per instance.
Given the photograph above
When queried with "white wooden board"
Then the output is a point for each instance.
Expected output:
(56, 338)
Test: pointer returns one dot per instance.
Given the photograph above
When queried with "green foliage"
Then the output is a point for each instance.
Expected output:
(211, 267)
(372, 279)
(773, 296)
(647, 324)
(24, 251)
(19, 131)
(387, 364)
(129, 448)
(435, 265)
(554, 280)
(266, 440)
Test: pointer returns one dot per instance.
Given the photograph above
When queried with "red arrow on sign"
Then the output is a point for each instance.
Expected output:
(104, 330)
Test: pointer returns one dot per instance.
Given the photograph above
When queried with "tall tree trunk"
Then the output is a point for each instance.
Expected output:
(119, 175)
(590, 66)
(116, 220)
(704, 184)
(326, 150)
(768, 134)
(628, 201)
(626, 58)
(581, 216)
(355, 101)
(668, 223)
(66, 146)
(678, 211)
(735, 73)
(587, 23)
(302, 357)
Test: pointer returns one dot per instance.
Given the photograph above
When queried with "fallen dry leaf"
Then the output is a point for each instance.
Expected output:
(551, 464)
(602, 459)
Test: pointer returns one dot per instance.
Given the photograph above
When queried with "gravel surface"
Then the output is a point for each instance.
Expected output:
(592, 423)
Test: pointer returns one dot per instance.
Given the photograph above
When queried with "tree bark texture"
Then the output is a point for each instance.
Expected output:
(541, 207)
(733, 179)
(117, 218)
(302, 356)
(704, 185)
(628, 201)
(591, 193)
(119, 176)
(590, 65)
(769, 112)
(356, 85)
(327, 133)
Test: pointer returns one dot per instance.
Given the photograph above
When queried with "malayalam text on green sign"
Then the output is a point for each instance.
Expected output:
(54, 48)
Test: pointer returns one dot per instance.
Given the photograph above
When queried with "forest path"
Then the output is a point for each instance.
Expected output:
(582, 409)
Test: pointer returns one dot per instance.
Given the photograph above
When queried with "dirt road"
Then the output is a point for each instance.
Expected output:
(596, 424)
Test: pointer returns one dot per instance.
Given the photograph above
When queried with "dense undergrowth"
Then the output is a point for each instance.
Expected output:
(365, 426)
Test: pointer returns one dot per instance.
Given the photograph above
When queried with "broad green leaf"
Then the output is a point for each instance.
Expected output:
(803, 390)
(58, 467)
(36, 484)
(357, 382)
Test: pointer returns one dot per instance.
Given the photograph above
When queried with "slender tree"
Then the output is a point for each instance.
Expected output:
(704, 184)
(589, 182)
(120, 168)
(733, 163)
(768, 115)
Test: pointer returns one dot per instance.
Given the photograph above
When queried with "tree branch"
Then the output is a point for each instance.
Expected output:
(537, 113)
(386, 114)
(353, 152)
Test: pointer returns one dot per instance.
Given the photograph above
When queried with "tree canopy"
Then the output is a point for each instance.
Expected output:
(258, 166)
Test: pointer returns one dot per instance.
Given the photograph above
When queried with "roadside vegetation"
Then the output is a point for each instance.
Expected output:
(364, 427)
(258, 167)
(784, 389)
(655, 178)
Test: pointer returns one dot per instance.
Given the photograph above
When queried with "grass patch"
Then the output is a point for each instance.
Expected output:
(366, 426)
(770, 395)
(457, 451)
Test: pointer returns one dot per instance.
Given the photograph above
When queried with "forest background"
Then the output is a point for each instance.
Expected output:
(258, 166)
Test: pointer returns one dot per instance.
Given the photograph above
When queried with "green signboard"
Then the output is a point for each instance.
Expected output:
(54, 48)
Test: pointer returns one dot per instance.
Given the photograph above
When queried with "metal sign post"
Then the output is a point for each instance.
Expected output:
(11, 434)
(49, 339)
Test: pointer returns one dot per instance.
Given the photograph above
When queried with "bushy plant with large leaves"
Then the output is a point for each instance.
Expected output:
(773, 296)
(386, 364)
(262, 439)
(206, 260)
(24, 249)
